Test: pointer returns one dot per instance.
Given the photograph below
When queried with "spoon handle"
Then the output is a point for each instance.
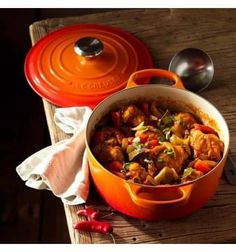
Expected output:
(230, 171)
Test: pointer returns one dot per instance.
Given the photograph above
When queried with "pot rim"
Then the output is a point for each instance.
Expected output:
(226, 147)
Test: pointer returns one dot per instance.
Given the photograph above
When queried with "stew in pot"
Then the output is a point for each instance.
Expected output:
(147, 144)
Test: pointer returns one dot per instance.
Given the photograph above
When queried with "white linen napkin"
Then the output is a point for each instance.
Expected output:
(62, 167)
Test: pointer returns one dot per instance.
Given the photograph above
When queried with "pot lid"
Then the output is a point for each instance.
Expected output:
(80, 65)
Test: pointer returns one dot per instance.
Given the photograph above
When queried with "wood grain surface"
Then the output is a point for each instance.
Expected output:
(165, 32)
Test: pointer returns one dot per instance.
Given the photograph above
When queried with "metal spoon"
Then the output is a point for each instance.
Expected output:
(196, 70)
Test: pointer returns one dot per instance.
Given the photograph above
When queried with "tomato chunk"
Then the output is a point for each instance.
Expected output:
(202, 166)
(143, 138)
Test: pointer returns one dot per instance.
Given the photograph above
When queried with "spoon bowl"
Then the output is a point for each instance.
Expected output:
(194, 67)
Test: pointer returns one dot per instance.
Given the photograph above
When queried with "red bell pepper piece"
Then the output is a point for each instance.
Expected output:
(143, 138)
(202, 166)
(205, 129)
(153, 143)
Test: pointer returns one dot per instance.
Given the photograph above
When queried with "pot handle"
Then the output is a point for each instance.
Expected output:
(184, 192)
(152, 72)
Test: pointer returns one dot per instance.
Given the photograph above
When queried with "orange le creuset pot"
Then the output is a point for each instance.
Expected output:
(154, 203)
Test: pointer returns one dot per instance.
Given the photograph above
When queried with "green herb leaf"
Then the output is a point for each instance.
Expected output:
(138, 146)
(160, 159)
(125, 167)
(170, 152)
(166, 121)
(167, 133)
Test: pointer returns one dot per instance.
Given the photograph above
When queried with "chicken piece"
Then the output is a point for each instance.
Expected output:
(156, 150)
(110, 136)
(182, 122)
(136, 173)
(206, 146)
(106, 153)
(132, 115)
(172, 157)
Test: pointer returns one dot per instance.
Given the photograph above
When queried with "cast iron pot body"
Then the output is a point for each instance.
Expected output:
(154, 203)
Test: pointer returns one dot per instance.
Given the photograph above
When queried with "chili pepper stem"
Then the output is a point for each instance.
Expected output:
(112, 237)
(106, 215)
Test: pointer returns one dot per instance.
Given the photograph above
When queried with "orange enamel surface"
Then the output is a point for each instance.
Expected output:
(61, 76)
(135, 77)
(153, 203)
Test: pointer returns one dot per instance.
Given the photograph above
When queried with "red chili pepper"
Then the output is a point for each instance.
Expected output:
(205, 129)
(94, 226)
(115, 166)
(202, 166)
(91, 213)
(116, 119)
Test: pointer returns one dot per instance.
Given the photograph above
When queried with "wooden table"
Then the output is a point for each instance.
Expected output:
(166, 31)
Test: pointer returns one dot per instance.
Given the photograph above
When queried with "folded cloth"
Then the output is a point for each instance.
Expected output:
(62, 167)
